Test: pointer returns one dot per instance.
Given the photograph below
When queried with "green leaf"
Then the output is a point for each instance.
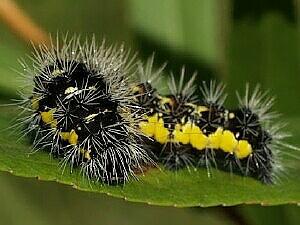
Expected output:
(21, 198)
(181, 189)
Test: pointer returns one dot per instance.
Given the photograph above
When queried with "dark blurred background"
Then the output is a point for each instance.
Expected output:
(255, 41)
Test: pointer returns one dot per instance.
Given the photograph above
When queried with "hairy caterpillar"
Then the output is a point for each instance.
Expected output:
(188, 132)
(83, 109)
(80, 108)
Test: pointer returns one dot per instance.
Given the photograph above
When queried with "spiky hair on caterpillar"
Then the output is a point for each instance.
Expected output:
(80, 108)
(161, 114)
(190, 132)
(254, 121)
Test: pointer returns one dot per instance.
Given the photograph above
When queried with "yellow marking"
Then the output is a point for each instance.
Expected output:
(231, 115)
(185, 133)
(180, 133)
(71, 137)
(48, 118)
(177, 133)
(65, 135)
(201, 109)
(214, 139)
(136, 89)
(93, 88)
(148, 127)
(165, 100)
(86, 153)
(35, 103)
(54, 124)
(90, 117)
(182, 120)
(57, 72)
(154, 127)
(161, 133)
(197, 139)
(228, 142)
(192, 105)
(189, 133)
(70, 90)
(243, 149)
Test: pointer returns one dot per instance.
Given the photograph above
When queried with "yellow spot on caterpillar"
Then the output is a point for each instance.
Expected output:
(64, 135)
(201, 109)
(93, 88)
(70, 90)
(194, 106)
(154, 127)
(71, 137)
(165, 100)
(48, 118)
(182, 120)
(148, 127)
(179, 136)
(197, 139)
(243, 149)
(231, 115)
(136, 89)
(57, 72)
(228, 142)
(182, 133)
(54, 124)
(161, 133)
(35, 103)
(86, 153)
(214, 139)
(90, 117)
(189, 133)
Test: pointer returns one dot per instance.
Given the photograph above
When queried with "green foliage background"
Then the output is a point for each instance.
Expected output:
(233, 41)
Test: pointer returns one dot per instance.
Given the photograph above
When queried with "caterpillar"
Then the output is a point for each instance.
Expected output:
(79, 108)
(188, 132)
(97, 108)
